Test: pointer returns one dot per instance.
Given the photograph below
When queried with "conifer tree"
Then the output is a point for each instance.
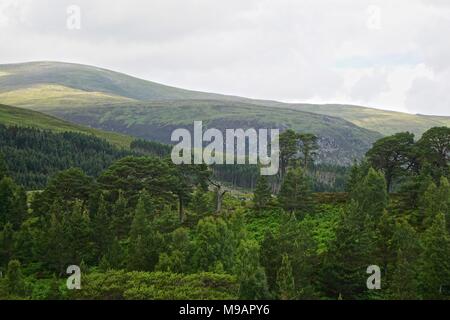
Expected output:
(371, 195)
(403, 284)
(6, 244)
(251, 276)
(101, 230)
(435, 262)
(14, 279)
(406, 250)
(144, 243)
(270, 258)
(262, 194)
(121, 217)
(3, 167)
(285, 280)
(350, 253)
(295, 194)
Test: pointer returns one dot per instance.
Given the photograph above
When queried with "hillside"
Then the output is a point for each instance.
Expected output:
(340, 141)
(13, 116)
(48, 85)
(116, 102)
(383, 121)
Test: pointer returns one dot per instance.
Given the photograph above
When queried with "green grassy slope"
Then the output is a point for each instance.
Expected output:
(47, 85)
(91, 79)
(28, 118)
(341, 141)
(383, 121)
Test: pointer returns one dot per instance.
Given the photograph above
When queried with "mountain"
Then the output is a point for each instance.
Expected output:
(383, 121)
(117, 102)
(13, 116)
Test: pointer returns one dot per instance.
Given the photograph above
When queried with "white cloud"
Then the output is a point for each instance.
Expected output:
(291, 50)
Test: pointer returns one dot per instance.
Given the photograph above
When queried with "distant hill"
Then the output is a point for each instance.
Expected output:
(13, 116)
(383, 121)
(117, 102)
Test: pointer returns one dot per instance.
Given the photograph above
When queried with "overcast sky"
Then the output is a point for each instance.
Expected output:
(387, 54)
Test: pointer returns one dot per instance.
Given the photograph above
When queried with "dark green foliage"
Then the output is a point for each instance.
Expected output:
(434, 148)
(262, 195)
(250, 274)
(393, 155)
(295, 194)
(151, 147)
(435, 269)
(285, 280)
(351, 252)
(145, 240)
(34, 155)
(147, 230)
(115, 285)
(14, 279)
(13, 207)
(371, 195)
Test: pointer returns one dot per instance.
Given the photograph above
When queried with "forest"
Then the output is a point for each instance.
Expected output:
(140, 227)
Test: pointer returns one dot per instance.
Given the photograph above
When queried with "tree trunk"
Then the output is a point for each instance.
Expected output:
(219, 199)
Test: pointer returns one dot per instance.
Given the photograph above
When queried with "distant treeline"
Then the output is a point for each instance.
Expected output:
(33, 155)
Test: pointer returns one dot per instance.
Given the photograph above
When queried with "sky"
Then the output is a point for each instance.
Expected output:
(385, 54)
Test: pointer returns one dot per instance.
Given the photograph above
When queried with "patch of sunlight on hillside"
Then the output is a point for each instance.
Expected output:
(52, 95)
(2, 73)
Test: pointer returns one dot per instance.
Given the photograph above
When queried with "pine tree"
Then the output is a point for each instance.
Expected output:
(405, 248)
(121, 217)
(14, 279)
(77, 235)
(285, 280)
(371, 195)
(144, 239)
(52, 251)
(101, 228)
(7, 201)
(404, 284)
(353, 177)
(6, 244)
(3, 167)
(213, 245)
(270, 258)
(262, 194)
(429, 205)
(350, 253)
(435, 271)
(444, 200)
(200, 203)
(295, 194)
(251, 276)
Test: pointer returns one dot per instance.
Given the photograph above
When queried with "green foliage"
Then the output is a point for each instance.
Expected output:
(285, 280)
(262, 195)
(212, 244)
(146, 230)
(12, 203)
(392, 155)
(144, 238)
(114, 285)
(14, 279)
(295, 194)
(250, 274)
(349, 255)
(371, 195)
(435, 269)
(33, 155)
(434, 148)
